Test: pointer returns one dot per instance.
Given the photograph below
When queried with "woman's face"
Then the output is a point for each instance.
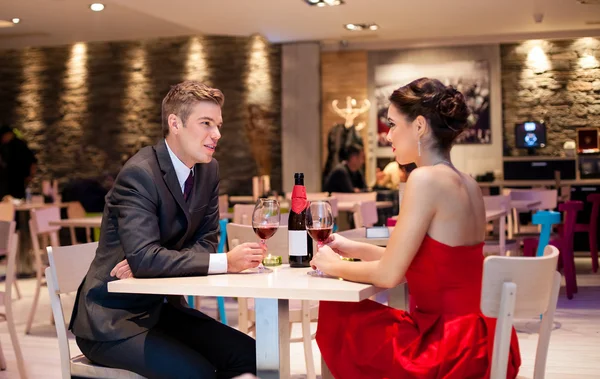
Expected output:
(403, 136)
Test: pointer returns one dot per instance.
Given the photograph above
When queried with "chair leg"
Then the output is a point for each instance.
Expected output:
(197, 302)
(36, 298)
(307, 341)
(17, 289)
(222, 312)
(10, 322)
(2, 360)
(569, 272)
(593, 238)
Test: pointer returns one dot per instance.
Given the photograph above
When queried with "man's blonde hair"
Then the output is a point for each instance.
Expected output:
(182, 97)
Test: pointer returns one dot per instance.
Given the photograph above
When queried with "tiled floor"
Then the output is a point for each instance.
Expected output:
(574, 345)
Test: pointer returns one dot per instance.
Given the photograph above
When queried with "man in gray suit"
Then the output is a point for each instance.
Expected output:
(161, 220)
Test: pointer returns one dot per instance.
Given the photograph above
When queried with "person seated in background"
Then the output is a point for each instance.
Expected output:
(347, 176)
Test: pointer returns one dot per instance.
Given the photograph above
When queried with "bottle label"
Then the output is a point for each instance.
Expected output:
(298, 199)
(298, 243)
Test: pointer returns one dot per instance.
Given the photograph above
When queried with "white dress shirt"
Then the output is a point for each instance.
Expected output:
(217, 263)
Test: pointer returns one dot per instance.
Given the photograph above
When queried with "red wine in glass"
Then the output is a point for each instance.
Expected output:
(319, 223)
(265, 222)
(321, 235)
(265, 232)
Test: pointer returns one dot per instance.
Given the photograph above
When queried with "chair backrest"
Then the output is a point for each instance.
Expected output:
(223, 203)
(520, 287)
(75, 210)
(546, 219)
(68, 267)
(365, 214)
(283, 220)
(354, 197)
(496, 203)
(533, 277)
(594, 198)
(548, 198)
(7, 211)
(242, 213)
(9, 240)
(41, 218)
(277, 245)
(570, 209)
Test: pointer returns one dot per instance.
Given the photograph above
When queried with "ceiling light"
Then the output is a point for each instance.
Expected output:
(97, 7)
(324, 3)
(359, 27)
(16, 20)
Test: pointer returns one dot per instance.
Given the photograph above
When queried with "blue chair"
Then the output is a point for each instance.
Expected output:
(220, 250)
(546, 219)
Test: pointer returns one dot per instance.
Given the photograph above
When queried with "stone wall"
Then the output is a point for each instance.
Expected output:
(557, 81)
(86, 108)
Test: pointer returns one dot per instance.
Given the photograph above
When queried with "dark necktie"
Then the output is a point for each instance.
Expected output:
(187, 187)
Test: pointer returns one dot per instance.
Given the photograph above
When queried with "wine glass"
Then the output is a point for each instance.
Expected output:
(265, 222)
(319, 224)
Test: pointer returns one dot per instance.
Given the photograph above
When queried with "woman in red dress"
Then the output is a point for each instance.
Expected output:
(436, 245)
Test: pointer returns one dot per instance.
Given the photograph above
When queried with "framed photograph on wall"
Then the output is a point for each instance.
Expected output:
(471, 78)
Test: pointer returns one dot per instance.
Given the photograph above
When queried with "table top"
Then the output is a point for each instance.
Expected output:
(86, 222)
(283, 283)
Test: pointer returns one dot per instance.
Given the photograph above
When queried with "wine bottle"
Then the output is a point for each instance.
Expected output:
(300, 243)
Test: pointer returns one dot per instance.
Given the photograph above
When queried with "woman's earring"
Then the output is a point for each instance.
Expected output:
(419, 147)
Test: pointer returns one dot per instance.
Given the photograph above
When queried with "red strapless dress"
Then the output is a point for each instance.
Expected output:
(444, 335)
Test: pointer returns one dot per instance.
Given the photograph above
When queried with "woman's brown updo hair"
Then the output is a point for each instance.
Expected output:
(444, 108)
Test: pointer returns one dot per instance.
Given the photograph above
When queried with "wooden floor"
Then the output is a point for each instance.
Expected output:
(574, 346)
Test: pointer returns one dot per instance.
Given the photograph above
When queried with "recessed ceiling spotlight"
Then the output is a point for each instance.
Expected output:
(97, 7)
(360, 27)
(324, 3)
(16, 20)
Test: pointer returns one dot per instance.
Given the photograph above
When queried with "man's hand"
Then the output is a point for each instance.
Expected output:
(122, 270)
(244, 256)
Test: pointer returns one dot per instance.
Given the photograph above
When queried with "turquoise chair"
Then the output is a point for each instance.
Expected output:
(546, 219)
(220, 250)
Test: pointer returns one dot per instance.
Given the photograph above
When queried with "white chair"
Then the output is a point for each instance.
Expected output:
(242, 214)
(501, 245)
(224, 207)
(520, 287)
(9, 241)
(548, 201)
(365, 214)
(39, 227)
(7, 211)
(68, 266)
(303, 312)
(76, 210)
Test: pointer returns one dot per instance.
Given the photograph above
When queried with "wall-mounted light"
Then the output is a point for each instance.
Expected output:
(16, 20)
(361, 27)
(324, 3)
(97, 7)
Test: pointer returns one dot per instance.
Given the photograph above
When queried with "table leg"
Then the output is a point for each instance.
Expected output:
(272, 338)
(399, 297)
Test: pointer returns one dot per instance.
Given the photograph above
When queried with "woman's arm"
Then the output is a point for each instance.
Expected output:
(418, 209)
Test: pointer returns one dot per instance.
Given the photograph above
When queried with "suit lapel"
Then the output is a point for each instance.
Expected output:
(170, 177)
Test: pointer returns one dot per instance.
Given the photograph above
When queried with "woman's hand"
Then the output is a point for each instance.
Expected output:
(326, 260)
(342, 246)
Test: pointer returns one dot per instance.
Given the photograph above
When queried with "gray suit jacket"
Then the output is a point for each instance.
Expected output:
(147, 221)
